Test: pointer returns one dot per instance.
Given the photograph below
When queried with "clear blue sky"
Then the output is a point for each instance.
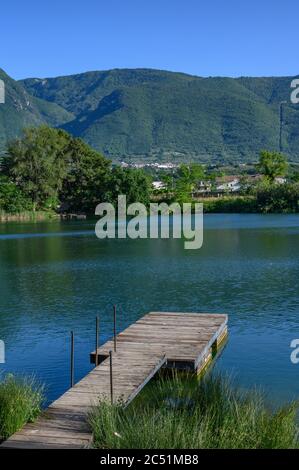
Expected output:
(201, 37)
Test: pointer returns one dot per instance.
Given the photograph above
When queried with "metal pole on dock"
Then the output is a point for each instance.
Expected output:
(114, 327)
(97, 340)
(111, 377)
(72, 358)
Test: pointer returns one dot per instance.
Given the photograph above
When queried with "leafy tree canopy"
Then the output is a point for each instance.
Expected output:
(189, 176)
(50, 168)
(12, 199)
(134, 183)
(87, 177)
(36, 163)
(272, 164)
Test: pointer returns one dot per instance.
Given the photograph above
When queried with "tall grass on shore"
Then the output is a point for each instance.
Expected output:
(27, 216)
(176, 413)
(20, 402)
(230, 204)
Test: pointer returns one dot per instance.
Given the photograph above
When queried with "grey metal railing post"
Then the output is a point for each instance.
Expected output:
(114, 326)
(111, 377)
(97, 341)
(72, 357)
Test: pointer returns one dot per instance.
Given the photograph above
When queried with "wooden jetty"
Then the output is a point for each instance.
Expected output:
(186, 341)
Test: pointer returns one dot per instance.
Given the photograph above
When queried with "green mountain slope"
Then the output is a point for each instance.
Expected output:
(22, 110)
(148, 115)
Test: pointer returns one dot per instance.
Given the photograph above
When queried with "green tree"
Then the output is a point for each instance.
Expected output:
(87, 177)
(168, 181)
(272, 164)
(12, 200)
(278, 198)
(295, 177)
(36, 163)
(189, 177)
(134, 183)
(48, 166)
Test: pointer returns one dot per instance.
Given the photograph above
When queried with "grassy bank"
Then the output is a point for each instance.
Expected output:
(27, 216)
(230, 204)
(221, 204)
(20, 402)
(265, 198)
(177, 413)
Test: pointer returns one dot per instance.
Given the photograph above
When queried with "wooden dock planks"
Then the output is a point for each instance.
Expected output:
(180, 340)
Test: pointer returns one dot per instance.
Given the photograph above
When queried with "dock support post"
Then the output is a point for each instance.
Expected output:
(97, 341)
(114, 326)
(111, 378)
(72, 358)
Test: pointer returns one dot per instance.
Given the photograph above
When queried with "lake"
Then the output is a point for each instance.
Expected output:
(57, 276)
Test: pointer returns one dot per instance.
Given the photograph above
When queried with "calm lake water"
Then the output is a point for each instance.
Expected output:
(57, 276)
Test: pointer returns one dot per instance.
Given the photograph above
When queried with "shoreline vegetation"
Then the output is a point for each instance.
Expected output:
(176, 411)
(21, 400)
(28, 216)
(280, 199)
(211, 205)
(184, 413)
(48, 173)
(266, 203)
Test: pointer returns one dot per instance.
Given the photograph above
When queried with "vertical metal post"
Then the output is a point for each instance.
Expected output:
(111, 377)
(97, 341)
(72, 358)
(114, 327)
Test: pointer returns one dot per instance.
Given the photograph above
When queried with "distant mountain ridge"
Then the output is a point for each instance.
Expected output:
(154, 115)
(21, 109)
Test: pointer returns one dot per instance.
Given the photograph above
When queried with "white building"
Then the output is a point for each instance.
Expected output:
(228, 184)
(280, 180)
(158, 185)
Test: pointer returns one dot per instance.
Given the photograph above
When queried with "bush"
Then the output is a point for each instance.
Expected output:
(132, 182)
(12, 200)
(278, 198)
(179, 413)
(230, 204)
(20, 402)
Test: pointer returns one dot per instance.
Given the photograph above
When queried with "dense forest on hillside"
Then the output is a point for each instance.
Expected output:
(152, 115)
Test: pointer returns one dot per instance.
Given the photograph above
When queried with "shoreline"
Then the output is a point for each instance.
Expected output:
(28, 216)
(211, 205)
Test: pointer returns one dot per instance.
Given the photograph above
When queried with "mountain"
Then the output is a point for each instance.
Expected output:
(144, 114)
(23, 110)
